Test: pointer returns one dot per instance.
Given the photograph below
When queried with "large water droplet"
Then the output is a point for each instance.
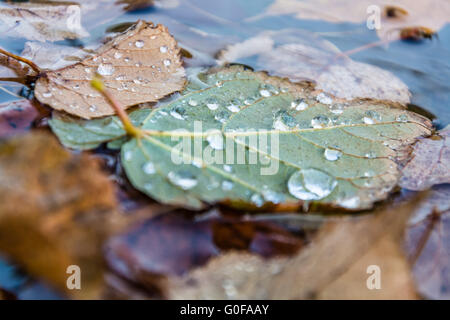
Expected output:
(265, 93)
(193, 103)
(212, 104)
(105, 69)
(332, 154)
(183, 179)
(299, 104)
(337, 108)
(233, 108)
(371, 117)
(320, 122)
(311, 184)
(284, 121)
(178, 112)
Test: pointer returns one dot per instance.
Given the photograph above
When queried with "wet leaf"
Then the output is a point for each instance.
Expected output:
(317, 148)
(50, 21)
(175, 243)
(299, 55)
(333, 266)
(433, 14)
(429, 164)
(141, 65)
(16, 117)
(427, 244)
(55, 211)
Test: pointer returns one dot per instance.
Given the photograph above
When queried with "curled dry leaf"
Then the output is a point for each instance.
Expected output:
(55, 211)
(433, 14)
(49, 21)
(430, 162)
(141, 65)
(299, 55)
(428, 243)
(333, 266)
(315, 149)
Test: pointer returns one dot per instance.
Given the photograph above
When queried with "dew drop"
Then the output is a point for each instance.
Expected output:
(163, 49)
(324, 98)
(93, 108)
(149, 168)
(127, 156)
(178, 112)
(371, 155)
(47, 94)
(299, 104)
(311, 184)
(350, 203)
(337, 108)
(105, 69)
(139, 44)
(193, 103)
(215, 140)
(332, 154)
(117, 55)
(233, 108)
(167, 62)
(227, 185)
(320, 122)
(227, 168)
(402, 118)
(265, 93)
(183, 179)
(371, 117)
(257, 199)
(212, 104)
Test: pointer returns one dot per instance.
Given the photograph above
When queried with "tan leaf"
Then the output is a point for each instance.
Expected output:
(298, 56)
(41, 21)
(55, 211)
(432, 14)
(429, 164)
(141, 65)
(333, 266)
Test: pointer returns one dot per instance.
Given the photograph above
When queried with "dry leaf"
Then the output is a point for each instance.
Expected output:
(428, 244)
(340, 251)
(433, 14)
(429, 164)
(141, 65)
(55, 211)
(299, 55)
(41, 21)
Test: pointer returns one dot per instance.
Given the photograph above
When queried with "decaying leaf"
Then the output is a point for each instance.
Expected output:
(16, 116)
(49, 21)
(433, 14)
(333, 266)
(55, 211)
(141, 65)
(430, 162)
(262, 140)
(299, 55)
(428, 244)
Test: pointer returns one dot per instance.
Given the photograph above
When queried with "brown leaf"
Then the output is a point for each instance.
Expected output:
(174, 243)
(16, 116)
(141, 65)
(428, 244)
(55, 211)
(429, 164)
(49, 21)
(299, 55)
(341, 250)
(432, 14)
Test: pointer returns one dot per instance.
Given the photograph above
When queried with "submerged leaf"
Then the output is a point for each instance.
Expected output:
(141, 65)
(41, 21)
(430, 163)
(242, 137)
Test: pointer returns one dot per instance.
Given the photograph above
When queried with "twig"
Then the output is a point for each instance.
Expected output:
(24, 60)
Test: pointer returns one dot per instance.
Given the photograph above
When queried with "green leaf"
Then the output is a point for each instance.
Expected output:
(318, 149)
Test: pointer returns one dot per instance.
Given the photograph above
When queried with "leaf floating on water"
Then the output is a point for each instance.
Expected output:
(430, 163)
(141, 65)
(258, 147)
(41, 21)
(298, 55)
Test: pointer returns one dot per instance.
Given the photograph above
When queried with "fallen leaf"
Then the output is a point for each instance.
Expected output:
(433, 14)
(52, 56)
(141, 65)
(429, 164)
(299, 55)
(427, 244)
(351, 147)
(55, 211)
(333, 266)
(16, 117)
(174, 243)
(50, 21)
